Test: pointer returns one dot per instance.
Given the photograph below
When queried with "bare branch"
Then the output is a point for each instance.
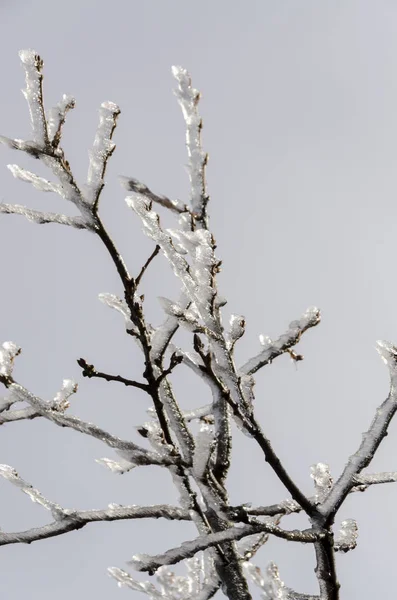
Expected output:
(90, 371)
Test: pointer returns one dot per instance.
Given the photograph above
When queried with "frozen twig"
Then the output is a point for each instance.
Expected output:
(186, 550)
(290, 338)
(72, 520)
(49, 411)
(42, 218)
(371, 439)
(188, 99)
(56, 119)
(133, 185)
(33, 93)
(101, 151)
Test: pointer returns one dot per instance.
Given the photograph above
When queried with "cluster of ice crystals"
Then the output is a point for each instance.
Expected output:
(272, 587)
(119, 305)
(200, 572)
(8, 352)
(348, 533)
(68, 388)
(322, 480)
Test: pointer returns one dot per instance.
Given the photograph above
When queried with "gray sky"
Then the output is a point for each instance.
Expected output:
(299, 101)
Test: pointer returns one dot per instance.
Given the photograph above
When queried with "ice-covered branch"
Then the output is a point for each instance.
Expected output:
(371, 439)
(56, 119)
(37, 182)
(72, 520)
(102, 150)
(186, 550)
(33, 93)
(42, 218)
(272, 349)
(133, 185)
(11, 475)
(50, 411)
(188, 99)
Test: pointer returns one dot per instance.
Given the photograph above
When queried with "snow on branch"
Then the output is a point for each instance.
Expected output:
(371, 439)
(188, 99)
(102, 150)
(72, 520)
(272, 349)
(33, 93)
(42, 218)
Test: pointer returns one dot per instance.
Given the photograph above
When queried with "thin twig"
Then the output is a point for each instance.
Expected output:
(90, 371)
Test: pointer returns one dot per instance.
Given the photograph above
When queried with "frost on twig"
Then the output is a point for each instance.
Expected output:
(42, 218)
(272, 349)
(347, 539)
(188, 99)
(102, 150)
(12, 476)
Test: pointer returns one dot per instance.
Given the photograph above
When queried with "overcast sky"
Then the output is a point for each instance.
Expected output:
(299, 101)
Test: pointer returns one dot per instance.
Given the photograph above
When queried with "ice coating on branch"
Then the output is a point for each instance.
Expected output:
(38, 182)
(56, 118)
(188, 99)
(33, 65)
(119, 305)
(42, 218)
(12, 476)
(101, 151)
(272, 587)
(322, 480)
(347, 539)
(8, 352)
(68, 388)
(273, 348)
(204, 445)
